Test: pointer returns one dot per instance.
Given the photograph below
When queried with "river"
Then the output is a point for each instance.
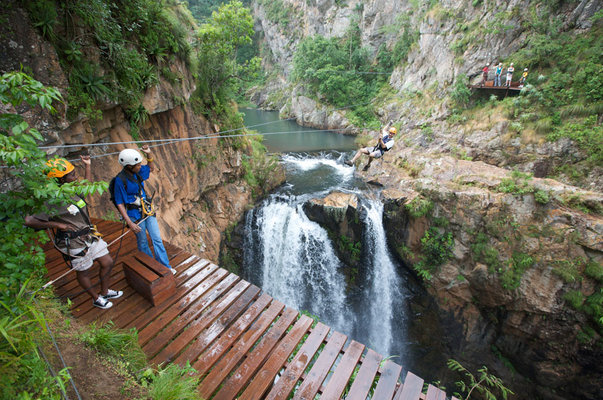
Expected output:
(292, 258)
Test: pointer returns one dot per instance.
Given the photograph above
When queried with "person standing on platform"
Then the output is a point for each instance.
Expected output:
(485, 74)
(523, 78)
(497, 74)
(134, 204)
(510, 71)
(75, 236)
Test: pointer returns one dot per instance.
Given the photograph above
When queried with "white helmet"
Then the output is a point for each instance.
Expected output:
(129, 157)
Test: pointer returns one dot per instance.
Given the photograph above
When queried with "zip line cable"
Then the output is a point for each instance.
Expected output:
(215, 135)
(163, 142)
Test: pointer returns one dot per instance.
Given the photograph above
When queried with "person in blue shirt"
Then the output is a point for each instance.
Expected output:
(130, 197)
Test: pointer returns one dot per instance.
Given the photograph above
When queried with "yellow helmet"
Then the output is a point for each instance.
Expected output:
(59, 167)
(393, 130)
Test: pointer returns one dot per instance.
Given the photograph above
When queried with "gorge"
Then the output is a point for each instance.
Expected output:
(487, 213)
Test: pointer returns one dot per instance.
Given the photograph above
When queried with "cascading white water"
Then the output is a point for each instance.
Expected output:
(297, 263)
(383, 290)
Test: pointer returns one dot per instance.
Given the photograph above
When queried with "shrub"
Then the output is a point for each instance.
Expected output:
(419, 207)
(172, 383)
(519, 263)
(594, 270)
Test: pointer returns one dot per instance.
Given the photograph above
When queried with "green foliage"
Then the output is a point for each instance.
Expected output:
(279, 12)
(486, 384)
(575, 298)
(117, 344)
(541, 197)
(32, 190)
(518, 184)
(228, 29)
(461, 93)
(419, 207)
(24, 372)
(328, 69)
(485, 253)
(258, 168)
(348, 246)
(511, 276)
(436, 249)
(437, 246)
(587, 134)
(172, 383)
(568, 270)
(594, 270)
(133, 38)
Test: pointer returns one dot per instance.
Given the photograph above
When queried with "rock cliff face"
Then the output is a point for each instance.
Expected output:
(199, 184)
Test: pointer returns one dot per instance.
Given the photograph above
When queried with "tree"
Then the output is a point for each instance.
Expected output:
(226, 31)
(23, 168)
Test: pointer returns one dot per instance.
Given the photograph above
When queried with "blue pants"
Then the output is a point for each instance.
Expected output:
(150, 225)
(497, 80)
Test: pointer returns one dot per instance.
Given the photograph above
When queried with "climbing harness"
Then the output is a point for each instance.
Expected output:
(109, 245)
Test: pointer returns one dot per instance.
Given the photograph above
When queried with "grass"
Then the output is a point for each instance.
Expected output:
(116, 343)
(172, 383)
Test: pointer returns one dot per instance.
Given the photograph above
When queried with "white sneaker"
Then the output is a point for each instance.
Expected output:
(113, 294)
(101, 302)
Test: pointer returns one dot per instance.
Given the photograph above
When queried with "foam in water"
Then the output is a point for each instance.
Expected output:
(304, 163)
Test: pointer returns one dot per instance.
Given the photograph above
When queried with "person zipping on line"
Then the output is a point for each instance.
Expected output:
(385, 143)
(134, 205)
(75, 236)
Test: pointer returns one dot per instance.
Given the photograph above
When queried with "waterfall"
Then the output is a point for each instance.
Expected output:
(292, 259)
(383, 291)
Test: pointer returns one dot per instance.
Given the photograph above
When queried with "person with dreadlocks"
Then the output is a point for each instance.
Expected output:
(385, 143)
(74, 235)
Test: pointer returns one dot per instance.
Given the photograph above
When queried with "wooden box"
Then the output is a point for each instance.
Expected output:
(149, 278)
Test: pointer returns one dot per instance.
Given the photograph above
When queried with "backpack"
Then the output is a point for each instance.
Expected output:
(123, 177)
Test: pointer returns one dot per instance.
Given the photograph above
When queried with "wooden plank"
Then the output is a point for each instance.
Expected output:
(138, 305)
(297, 366)
(126, 301)
(217, 329)
(161, 315)
(264, 378)
(434, 393)
(411, 389)
(194, 309)
(186, 281)
(387, 381)
(141, 270)
(243, 291)
(251, 364)
(82, 303)
(155, 266)
(365, 377)
(318, 373)
(211, 355)
(344, 370)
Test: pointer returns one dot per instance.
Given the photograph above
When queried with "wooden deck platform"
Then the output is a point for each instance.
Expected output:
(243, 343)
